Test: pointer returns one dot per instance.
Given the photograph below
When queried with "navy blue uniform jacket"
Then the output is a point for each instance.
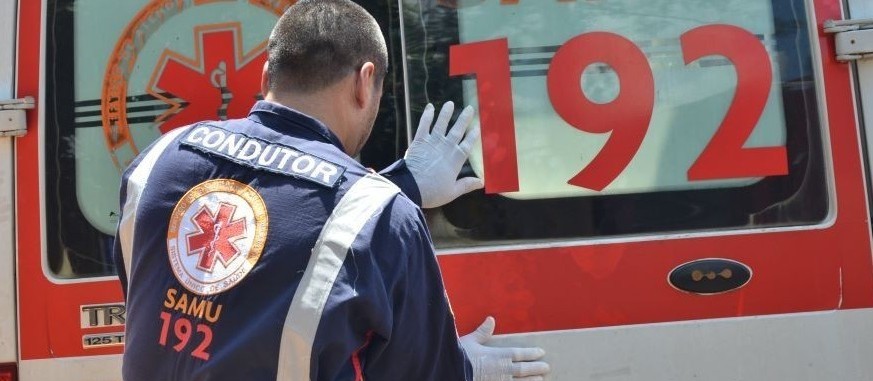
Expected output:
(256, 249)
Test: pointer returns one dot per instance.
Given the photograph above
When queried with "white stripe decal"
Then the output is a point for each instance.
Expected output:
(136, 183)
(362, 202)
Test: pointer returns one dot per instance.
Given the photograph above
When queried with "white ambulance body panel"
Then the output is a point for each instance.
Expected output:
(8, 333)
(604, 311)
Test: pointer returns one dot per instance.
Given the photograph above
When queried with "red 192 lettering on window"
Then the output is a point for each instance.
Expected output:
(627, 117)
(489, 62)
(725, 157)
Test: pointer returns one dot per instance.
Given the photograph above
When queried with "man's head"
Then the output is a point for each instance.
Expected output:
(329, 49)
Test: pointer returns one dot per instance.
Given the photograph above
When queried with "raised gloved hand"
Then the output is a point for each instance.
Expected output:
(435, 158)
(502, 364)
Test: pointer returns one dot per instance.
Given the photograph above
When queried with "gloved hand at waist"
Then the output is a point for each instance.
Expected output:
(435, 157)
(502, 364)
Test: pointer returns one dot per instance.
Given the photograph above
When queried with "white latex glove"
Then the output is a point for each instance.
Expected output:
(502, 364)
(435, 157)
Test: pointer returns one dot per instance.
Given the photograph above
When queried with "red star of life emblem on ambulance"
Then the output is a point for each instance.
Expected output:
(216, 236)
(220, 81)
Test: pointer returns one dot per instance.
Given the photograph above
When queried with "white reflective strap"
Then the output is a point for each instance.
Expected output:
(136, 183)
(364, 200)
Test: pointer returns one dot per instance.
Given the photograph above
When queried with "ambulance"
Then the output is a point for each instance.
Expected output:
(674, 189)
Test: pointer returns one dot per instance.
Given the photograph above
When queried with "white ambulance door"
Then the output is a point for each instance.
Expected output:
(613, 230)
(48, 312)
(7, 244)
(103, 73)
(110, 77)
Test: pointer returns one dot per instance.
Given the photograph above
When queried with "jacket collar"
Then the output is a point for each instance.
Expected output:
(292, 122)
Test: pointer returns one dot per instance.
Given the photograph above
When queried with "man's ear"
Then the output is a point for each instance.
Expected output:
(365, 80)
(265, 79)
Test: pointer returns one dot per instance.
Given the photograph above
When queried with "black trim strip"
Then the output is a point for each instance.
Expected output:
(131, 98)
(530, 61)
(158, 107)
(535, 49)
(99, 123)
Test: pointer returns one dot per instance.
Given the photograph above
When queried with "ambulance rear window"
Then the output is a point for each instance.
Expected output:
(121, 73)
(607, 118)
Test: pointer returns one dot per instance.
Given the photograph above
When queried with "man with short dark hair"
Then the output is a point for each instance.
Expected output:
(306, 54)
(258, 249)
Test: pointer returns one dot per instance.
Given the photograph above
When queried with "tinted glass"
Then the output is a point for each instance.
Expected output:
(121, 73)
(604, 118)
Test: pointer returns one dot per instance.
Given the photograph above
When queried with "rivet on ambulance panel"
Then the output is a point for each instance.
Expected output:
(710, 276)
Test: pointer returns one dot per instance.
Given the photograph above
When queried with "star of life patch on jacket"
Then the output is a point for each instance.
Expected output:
(216, 235)
(260, 154)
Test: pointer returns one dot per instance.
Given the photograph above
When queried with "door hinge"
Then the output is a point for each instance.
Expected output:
(13, 120)
(853, 38)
